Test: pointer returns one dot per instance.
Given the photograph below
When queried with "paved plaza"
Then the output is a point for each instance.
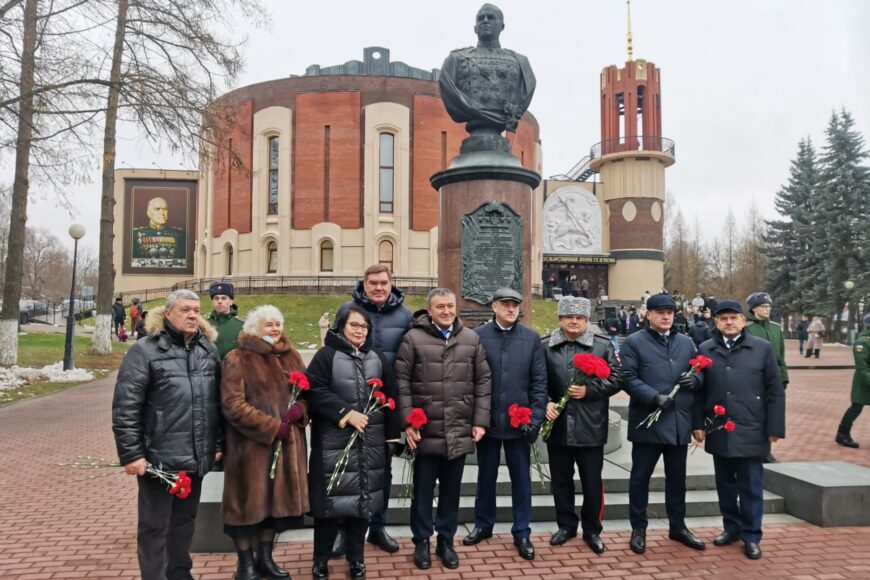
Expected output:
(57, 523)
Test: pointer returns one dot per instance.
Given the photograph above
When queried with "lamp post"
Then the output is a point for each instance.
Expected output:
(76, 232)
(848, 284)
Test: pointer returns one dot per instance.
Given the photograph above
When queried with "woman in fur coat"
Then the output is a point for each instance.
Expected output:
(254, 396)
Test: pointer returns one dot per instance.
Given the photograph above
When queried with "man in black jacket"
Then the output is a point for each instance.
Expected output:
(118, 314)
(166, 413)
(580, 430)
(744, 381)
(519, 376)
(654, 360)
(391, 319)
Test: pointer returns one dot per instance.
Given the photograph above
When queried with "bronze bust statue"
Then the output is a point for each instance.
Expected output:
(487, 87)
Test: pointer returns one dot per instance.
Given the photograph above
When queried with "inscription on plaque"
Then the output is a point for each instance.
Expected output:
(492, 251)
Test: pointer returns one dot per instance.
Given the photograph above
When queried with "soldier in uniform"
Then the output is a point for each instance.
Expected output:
(159, 241)
(860, 386)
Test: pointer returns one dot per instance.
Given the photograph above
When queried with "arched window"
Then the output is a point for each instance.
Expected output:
(326, 256)
(385, 254)
(385, 176)
(274, 157)
(228, 254)
(272, 258)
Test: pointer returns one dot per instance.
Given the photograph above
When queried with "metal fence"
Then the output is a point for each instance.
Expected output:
(54, 311)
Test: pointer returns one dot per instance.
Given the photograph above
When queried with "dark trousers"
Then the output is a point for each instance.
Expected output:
(644, 457)
(516, 453)
(851, 414)
(741, 478)
(448, 473)
(379, 520)
(590, 462)
(325, 530)
(165, 530)
(801, 342)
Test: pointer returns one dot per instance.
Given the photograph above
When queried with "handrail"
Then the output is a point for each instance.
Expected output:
(632, 143)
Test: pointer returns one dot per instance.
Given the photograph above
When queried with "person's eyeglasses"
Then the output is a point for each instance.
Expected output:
(358, 325)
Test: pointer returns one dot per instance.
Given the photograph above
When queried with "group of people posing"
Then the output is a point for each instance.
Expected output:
(193, 392)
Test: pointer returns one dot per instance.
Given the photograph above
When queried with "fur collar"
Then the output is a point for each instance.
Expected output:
(155, 324)
(258, 345)
(558, 337)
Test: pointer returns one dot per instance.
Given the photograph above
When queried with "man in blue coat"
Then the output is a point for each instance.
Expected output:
(655, 359)
(744, 380)
(391, 319)
(519, 375)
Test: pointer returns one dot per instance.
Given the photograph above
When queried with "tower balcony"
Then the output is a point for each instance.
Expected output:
(652, 146)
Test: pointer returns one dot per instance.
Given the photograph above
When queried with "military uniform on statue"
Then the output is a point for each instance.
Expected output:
(580, 429)
(519, 377)
(654, 360)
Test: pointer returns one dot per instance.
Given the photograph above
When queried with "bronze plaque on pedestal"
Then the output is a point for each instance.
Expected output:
(492, 251)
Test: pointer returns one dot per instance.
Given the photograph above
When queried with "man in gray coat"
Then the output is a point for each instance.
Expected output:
(441, 368)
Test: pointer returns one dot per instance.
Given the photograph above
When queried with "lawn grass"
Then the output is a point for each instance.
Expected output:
(40, 349)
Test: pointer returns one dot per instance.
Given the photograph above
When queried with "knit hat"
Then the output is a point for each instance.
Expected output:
(756, 299)
(224, 288)
(574, 306)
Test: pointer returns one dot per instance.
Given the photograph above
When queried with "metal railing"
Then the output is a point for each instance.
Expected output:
(580, 172)
(632, 143)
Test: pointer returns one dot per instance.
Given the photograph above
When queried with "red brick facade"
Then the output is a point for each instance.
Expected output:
(232, 185)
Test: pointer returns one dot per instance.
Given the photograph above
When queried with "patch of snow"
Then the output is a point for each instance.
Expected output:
(15, 377)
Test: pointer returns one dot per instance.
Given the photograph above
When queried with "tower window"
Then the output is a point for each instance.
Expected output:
(385, 176)
(274, 156)
(326, 256)
(620, 112)
(272, 258)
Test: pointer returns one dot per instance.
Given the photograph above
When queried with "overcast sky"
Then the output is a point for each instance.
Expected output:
(742, 81)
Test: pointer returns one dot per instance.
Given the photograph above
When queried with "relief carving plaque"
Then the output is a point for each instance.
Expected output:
(492, 251)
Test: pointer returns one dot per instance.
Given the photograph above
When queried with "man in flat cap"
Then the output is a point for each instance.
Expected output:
(654, 359)
(745, 387)
(519, 376)
(759, 324)
(224, 317)
(580, 430)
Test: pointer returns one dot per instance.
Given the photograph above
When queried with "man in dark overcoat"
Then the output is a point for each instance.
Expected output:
(745, 386)
(654, 360)
(519, 376)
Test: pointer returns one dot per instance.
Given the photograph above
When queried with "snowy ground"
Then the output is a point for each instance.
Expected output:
(16, 377)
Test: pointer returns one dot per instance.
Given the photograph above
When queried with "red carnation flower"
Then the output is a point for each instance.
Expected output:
(417, 418)
(591, 365)
(700, 363)
(519, 416)
(718, 410)
(391, 404)
(376, 383)
(380, 396)
(729, 426)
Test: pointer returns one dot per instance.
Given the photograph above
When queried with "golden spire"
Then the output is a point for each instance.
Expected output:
(630, 47)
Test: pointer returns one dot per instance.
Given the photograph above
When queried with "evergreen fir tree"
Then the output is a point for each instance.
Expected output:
(788, 243)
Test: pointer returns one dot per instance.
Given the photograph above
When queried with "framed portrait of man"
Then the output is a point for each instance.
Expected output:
(159, 226)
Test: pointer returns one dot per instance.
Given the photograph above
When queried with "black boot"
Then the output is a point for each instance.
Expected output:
(816, 353)
(844, 437)
(246, 569)
(448, 555)
(422, 559)
(809, 353)
(267, 566)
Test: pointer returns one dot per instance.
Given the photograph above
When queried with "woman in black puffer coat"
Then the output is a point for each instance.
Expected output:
(339, 375)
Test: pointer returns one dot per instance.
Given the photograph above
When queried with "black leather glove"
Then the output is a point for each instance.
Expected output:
(689, 383)
(664, 402)
(530, 435)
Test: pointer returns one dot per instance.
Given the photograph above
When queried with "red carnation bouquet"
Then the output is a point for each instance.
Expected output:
(298, 383)
(377, 400)
(179, 483)
(696, 365)
(521, 418)
(710, 425)
(416, 419)
(587, 366)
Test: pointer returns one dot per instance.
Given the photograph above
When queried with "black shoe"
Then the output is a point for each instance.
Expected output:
(770, 458)
(380, 538)
(476, 536)
(267, 566)
(594, 542)
(724, 539)
(320, 570)
(638, 541)
(422, 559)
(357, 570)
(340, 545)
(525, 548)
(844, 438)
(561, 536)
(448, 555)
(687, 538)
(246, 570)
(752, 550)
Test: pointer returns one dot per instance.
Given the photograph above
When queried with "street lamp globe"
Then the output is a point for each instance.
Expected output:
(849, 284)
(77, 231)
